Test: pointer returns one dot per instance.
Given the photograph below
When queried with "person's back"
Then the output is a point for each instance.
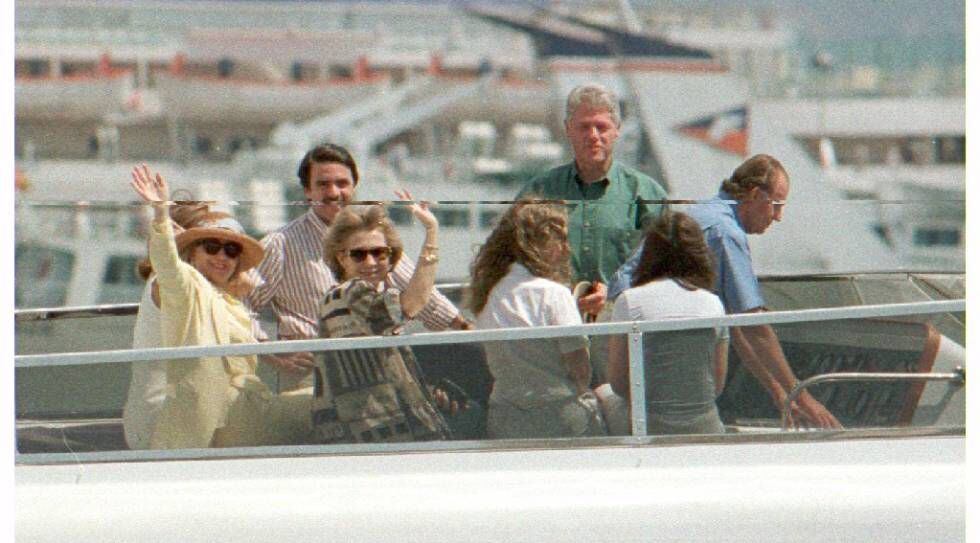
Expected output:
(680, 385)
(541, 386)
(528, 372)
(683, 370)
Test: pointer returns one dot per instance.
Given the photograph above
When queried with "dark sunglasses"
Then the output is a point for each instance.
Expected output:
(213, 246)
(379, 253)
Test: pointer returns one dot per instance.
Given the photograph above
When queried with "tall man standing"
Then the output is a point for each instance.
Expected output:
(609, 202)
(760, 187)
(293, 277)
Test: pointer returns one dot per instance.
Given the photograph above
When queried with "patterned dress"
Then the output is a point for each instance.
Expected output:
(369, 395)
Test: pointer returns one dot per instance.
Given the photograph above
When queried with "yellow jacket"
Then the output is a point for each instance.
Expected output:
(200, 392)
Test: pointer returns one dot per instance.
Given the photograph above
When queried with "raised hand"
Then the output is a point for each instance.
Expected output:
(151, 187)
(419, 209)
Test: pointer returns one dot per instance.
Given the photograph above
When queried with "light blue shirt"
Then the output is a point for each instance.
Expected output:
(735, 281)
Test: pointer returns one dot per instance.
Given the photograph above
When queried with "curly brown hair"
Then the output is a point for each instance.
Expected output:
(758, 171)
(674, 248)
(524, 233)
(350, 221)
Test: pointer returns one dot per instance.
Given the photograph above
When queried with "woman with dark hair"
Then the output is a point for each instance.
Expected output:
(685, 370)
(195, 280)
(520, 279)
(374, 395)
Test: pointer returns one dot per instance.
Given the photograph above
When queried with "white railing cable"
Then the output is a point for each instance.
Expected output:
(441, 338)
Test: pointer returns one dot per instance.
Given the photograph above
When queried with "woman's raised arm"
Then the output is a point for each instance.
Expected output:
(151, 188)
(419, 288)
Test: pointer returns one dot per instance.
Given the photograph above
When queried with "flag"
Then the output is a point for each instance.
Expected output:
(727, 130)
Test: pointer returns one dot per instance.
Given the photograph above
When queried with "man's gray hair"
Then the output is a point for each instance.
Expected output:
(595, 96)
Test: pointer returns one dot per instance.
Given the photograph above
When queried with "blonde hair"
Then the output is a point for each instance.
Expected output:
(347, 223)
(188, 214)
(523, 235)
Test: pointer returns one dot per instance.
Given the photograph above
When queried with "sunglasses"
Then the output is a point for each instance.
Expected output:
(379, 253)
(213, 247)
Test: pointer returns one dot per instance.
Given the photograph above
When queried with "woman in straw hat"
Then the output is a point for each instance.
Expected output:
(148, 381)
(193, 294)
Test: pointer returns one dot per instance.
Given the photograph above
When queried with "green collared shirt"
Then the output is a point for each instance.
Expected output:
(605, 218)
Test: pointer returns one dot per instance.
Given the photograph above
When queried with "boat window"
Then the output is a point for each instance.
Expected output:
(930, 237)
(42, 275)
(202, 145)
(452, 218)
(876, 150)
(400, 215)
(120, 282)
(488, 218)
(951, 149)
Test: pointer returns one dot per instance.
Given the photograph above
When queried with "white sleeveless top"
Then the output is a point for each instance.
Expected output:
(148, 384)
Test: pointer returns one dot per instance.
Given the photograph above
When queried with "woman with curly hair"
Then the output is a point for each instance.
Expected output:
(520, 279)
(374, 395)
(685, 370)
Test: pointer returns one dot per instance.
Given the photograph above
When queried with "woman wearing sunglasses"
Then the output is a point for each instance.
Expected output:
(520, 279)
(374, 395)
(196, 279)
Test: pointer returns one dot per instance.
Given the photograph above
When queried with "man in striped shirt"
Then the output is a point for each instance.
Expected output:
(293, 277)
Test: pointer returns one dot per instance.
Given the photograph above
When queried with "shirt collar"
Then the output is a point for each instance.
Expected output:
(314, 220)
(733, 208)
(605, 180)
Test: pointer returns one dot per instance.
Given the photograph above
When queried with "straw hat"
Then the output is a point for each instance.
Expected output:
(226, 229)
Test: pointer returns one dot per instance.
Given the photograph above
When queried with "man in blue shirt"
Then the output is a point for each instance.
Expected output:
(760, 187)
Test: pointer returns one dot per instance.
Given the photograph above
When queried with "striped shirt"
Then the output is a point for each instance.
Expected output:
(294, 278)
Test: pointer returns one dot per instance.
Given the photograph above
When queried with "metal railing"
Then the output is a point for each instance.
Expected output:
(957, 377)
(633, 330)
(443, 338)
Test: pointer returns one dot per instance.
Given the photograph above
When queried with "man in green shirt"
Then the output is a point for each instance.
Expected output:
(609, 203)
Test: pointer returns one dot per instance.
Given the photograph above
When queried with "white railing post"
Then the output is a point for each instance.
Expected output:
(638, 388)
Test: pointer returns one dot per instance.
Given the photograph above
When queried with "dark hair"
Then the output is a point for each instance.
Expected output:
(350, 221)
(674, 248)
(325, 153)
(758, 171)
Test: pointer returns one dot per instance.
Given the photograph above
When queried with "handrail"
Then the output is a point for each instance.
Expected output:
(956, 377)
(633, 330)
(440, 338)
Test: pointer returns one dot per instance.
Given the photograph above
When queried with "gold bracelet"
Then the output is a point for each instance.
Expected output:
(428, 258)
(430, 247)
